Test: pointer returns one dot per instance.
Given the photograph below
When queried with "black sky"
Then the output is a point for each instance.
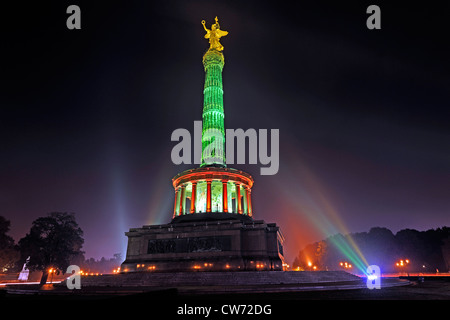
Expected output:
(87, 115)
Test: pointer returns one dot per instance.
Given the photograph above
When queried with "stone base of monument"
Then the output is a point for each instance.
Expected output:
(205, 242)
(165, 286)
(228, 282)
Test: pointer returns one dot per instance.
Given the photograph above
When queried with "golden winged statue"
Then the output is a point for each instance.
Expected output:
(214, 35)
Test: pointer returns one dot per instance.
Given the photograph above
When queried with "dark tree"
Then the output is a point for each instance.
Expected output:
(9, 255)
(381, 248)
(426, 250)
(53, 242)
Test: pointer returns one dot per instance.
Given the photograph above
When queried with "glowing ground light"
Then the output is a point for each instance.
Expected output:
(372, 277)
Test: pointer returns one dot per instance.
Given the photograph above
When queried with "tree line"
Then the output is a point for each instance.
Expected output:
(408, 250)
(53, 242)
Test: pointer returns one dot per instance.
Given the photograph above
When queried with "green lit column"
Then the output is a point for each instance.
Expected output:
(213, 131)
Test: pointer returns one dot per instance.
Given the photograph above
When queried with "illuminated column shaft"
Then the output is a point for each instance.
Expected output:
(208, 196)
(238, 198)
(175, 206)
(182, 200)
(225, 195)
(244, 199)
(213, 131)
(249, 201)
(230, 198)
(193, 196)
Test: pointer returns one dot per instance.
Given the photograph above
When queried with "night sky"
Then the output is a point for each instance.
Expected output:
(87, 115)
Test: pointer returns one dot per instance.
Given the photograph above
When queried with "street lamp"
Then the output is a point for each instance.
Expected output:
(345, 265)
(402, 263)
(51, 271)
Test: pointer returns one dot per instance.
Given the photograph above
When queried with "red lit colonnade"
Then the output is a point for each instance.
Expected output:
(212, 189)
